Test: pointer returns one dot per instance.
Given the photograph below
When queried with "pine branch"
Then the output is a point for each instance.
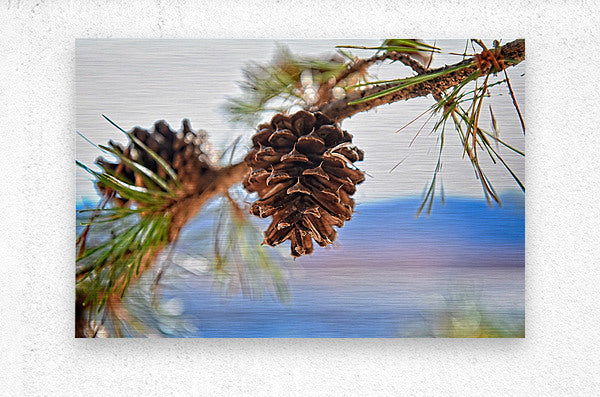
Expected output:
(360, 66)
(513, 53)
(152, 197)
(183, 210)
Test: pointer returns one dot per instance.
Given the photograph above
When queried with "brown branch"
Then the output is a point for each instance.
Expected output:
(325, 90)
(188, 207)
(513, 53)
(185, 209)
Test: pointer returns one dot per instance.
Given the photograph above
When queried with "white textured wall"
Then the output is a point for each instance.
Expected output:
(39, 356)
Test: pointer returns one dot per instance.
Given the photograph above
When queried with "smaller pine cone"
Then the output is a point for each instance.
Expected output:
(181, 150)
(301, 169)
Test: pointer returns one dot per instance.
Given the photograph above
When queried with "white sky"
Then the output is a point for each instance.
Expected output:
(136, 82)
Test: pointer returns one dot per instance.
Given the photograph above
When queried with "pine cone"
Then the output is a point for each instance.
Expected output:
(300, 168)
(182, 151)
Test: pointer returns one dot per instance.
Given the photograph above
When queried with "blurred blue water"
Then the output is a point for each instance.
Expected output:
(390, 275)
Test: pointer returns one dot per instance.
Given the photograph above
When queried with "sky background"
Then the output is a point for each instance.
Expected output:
(388, 273)
(137, 82)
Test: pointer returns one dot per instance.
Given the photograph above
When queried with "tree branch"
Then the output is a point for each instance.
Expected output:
(325, 90)
(182, 211)
(513, 53)
(188, 207)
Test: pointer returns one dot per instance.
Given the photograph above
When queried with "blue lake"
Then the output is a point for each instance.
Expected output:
(390, 274)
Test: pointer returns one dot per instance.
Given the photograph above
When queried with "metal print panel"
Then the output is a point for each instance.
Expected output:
(287, 188)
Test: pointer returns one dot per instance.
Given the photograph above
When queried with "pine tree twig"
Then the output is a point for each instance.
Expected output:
(188, 207)
(339, 109)
(513, 53)
(325, 90)
(182, 211)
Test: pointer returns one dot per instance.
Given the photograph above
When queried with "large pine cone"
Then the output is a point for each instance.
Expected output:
(301, 170)
(182, 151)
